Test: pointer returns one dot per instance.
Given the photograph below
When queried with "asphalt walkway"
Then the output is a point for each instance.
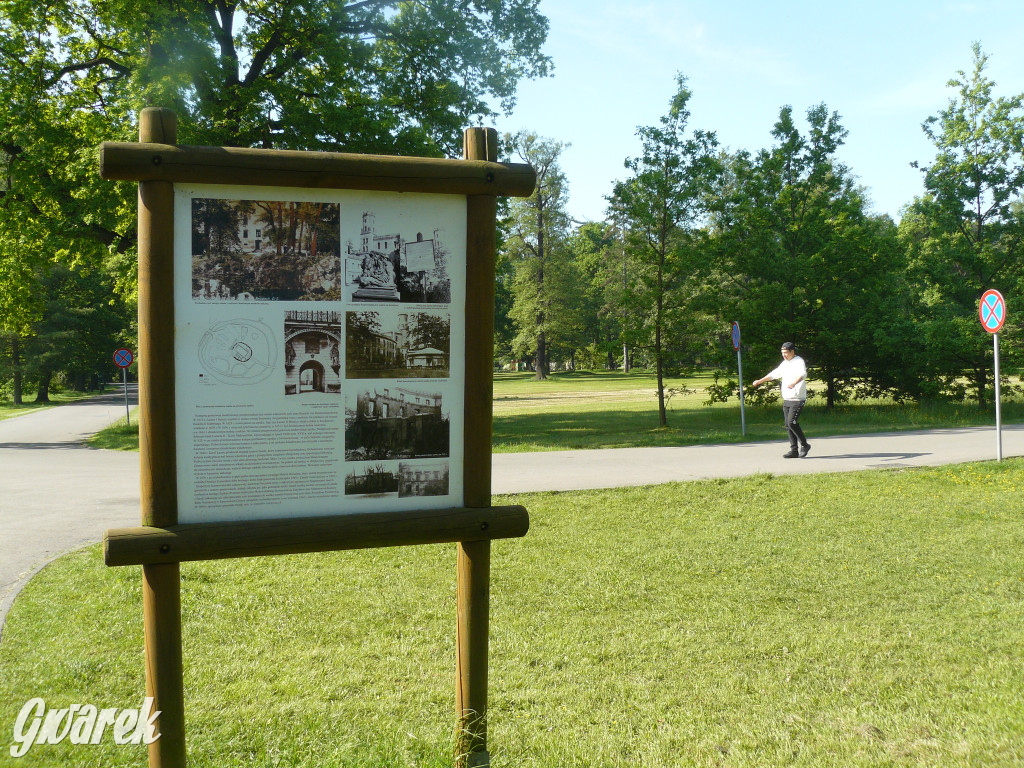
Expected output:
(57, 495)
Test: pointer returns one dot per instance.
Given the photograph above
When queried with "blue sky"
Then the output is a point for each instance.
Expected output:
(883, 66)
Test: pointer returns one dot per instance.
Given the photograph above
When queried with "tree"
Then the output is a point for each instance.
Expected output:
(537, 246)
(799, 259)
(430, 330)
(964, 235)
(384, 76)
(662, 203)
(19, 306)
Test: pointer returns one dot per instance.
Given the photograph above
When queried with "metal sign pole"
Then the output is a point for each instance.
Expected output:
(999, 415)
(992, 313)
(127, 414)
(743, 415)
(739, 368)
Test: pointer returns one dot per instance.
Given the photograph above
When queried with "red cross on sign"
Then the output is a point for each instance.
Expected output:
(123, 358)
(992, 310)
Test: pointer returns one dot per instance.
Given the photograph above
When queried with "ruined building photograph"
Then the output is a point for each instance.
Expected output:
(388, 421)
(247, 250)
(370, 480)
(429, 478)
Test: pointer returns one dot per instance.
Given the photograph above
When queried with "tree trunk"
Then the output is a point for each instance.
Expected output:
(43, 392)
(980, 379)
(16, 361)
(542, 358)
(830, 393)
(662, 420)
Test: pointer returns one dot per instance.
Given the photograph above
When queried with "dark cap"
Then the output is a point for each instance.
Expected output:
(788, 345)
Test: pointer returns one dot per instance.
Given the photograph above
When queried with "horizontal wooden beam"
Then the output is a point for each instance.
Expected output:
(287, 536)
(128, 161)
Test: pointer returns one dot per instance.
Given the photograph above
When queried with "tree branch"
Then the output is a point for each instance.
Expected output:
(99, 61)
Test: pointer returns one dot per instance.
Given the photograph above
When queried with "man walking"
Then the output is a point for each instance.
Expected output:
(793, 374)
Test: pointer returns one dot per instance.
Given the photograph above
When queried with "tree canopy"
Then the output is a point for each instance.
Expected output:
(380, 76)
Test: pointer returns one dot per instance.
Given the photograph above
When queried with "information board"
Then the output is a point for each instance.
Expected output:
(316, 373)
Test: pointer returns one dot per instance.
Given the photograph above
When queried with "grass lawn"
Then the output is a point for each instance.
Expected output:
(8, 409)
(122, 435)
(854, 619)
(616, 410)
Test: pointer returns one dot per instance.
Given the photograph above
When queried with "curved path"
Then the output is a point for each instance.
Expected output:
(56, 494)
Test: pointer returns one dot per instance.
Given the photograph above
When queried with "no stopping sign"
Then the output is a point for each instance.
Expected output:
(992, 310)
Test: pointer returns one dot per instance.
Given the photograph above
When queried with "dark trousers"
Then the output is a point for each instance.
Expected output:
(791, 412)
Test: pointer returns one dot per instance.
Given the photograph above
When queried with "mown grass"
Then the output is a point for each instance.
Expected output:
(855, 619)
(122, 435)
(8, 409)
(616, 410)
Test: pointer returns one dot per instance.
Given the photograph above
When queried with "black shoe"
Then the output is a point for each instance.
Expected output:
(791, 455)
(805, 449)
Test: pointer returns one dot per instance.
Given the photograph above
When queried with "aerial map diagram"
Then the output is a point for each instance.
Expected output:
(238, 351)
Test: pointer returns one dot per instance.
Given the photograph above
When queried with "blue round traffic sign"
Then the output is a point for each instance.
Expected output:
(123, 358)
(736, 336)
(992, 310)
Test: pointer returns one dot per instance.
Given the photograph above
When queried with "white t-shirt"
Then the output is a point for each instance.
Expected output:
(789, 371)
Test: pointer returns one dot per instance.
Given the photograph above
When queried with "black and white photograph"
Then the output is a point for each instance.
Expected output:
(423, 478)
(312, 352)
(371, 480)
(265, 250)
(387, 420)
(383, 264)
(387, 344)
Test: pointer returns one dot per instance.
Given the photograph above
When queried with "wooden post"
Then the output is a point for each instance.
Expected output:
(474, 558)
(161, 584)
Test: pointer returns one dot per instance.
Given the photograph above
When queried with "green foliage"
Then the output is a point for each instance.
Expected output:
(797, 258)
(661, 205)
(964, 235)
(600, 260)
(722, 392)
(384, 76)
(544, 309)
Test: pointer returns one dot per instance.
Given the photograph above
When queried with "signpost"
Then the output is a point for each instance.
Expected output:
(122, 359)
(992, 313)
(739, 366)
(338, 336)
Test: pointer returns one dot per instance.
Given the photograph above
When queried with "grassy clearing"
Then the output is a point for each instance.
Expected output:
(122, 435)
(8, 409)
(616, 410)
(854, 619)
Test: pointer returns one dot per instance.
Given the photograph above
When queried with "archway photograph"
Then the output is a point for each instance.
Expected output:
(312, 352)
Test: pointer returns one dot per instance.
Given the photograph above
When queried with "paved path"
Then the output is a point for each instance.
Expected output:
(617, 467)
(57, 495)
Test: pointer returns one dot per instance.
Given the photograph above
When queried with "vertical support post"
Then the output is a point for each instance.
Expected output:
(127, 412)
(474, 557)
(743, 413)
(999, 409)
(161, 584)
